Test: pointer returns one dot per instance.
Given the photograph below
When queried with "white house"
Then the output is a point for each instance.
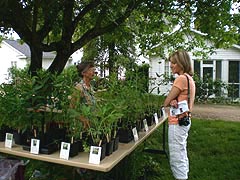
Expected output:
(224, 65)
(14, 53)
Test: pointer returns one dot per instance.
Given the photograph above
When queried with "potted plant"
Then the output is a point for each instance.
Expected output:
(76, 134)
(15, 100)
(149, 109)
(129, 97)
(108, 115)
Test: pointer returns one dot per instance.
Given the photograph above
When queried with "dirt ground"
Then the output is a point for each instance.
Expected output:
(216, 112)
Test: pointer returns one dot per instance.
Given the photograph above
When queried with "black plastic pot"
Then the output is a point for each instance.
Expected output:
(115, 143)
(48, 145)
(49, 148)
(3, 130)
(109, 147)
(125, 135)
(150, 119)
(74, 149)
(139, 125)
(103, 152)
(18, 137)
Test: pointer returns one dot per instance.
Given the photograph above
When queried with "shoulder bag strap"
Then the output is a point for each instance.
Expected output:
(188, 89)
(188, 92)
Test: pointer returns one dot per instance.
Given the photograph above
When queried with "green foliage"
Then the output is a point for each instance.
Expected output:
(219, 31)
(19, 99)
(116, 28)
(216, 91)
(139, 76)
(123, 100)
(232, 91)
(62, 26)
(47, 171)
(109, 114)
(152, 103)
(25, 95)
(13, 108)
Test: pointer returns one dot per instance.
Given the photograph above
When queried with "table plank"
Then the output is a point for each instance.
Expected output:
(81, 160)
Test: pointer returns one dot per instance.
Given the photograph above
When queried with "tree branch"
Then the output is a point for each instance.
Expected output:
(51, 11)
(68, 30)
(85, 10)
(18, 24)
(97, 31)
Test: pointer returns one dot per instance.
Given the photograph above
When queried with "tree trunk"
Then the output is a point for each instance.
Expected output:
(36, 60)
(59, 63)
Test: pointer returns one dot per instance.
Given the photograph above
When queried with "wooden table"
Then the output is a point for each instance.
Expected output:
(81, 160)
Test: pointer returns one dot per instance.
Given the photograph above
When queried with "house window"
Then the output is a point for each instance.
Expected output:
(233, 79)
(218, 70)
(233, 72)
(13, 64)
(168, 73)
(197, 67)
(207, 73)
(167, 68)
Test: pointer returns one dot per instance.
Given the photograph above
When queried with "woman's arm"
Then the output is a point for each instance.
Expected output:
(171, 98)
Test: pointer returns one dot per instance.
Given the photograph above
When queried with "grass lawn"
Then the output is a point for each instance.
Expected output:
(213, 148)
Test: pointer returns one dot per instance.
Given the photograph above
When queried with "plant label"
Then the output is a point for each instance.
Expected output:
(9, 140)
(163, 113)
(156, 118)
(135, 134)
(95, 155)
(145, 125)
(64, 151)
(35, 143)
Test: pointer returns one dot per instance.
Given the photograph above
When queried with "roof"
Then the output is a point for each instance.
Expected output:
(24, 49)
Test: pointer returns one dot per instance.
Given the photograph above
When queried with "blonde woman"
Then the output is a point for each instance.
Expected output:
(183, 90)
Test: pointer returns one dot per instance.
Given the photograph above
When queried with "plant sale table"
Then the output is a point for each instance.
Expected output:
(81, 160)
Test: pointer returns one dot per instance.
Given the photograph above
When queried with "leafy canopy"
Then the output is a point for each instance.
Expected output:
(65, 26)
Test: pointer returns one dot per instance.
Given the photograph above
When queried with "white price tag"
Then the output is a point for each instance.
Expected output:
(95, 155)
(35, 144)
(135, 134)
(9, 140)
(64, 151)
(163, 112)
(145, 125)
(156, 118)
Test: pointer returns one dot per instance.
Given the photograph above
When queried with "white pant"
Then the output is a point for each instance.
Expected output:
(177, 142)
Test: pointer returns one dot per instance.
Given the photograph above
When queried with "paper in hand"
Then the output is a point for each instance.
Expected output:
(182, 107)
